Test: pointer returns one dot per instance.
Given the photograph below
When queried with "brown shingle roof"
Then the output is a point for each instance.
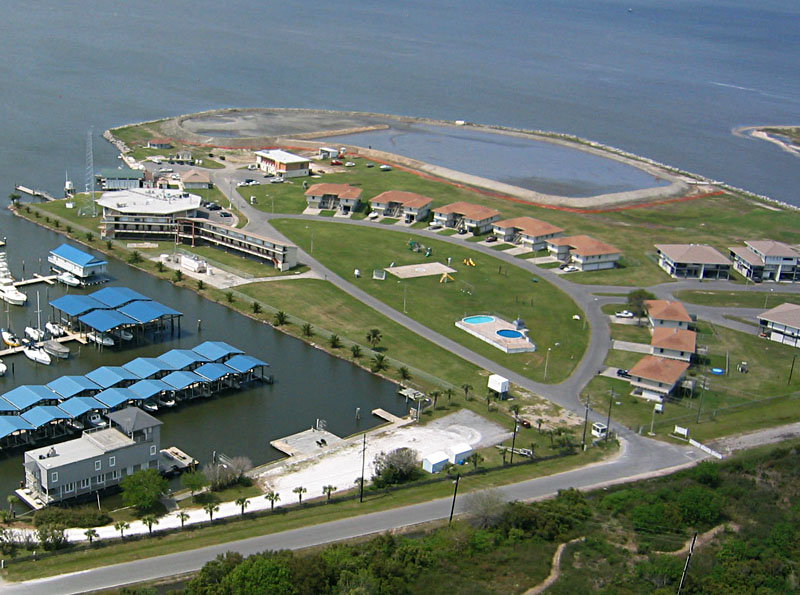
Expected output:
(666, 310)
(692, 253)
(199, 177)
(340, 190)
(674, 338)
(659, 369)
(788, 314)
(529, 226)
(747, 255)
(584, 245)
(407, 199)
(468, 210)
(773, 248)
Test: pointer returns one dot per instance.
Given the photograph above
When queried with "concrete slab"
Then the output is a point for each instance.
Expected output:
(307, 442)
(424, 269)
(632, 347)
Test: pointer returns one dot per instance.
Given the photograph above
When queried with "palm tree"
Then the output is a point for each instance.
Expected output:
(229, 297)
(435, 394)
(405, 374)
(379, 362)
(243, 502)
(308, 330)
(90, 535)
(160, 266)
(356, 351)
(328, 490)
(11, 499)
(135, 257)
(150, 520)
(200, 285)
(539, 424)
(514, 409)
(121, 526)
(475, 459)
(334, 341)
(280, 318)
(273, 497)
(449, 393)
(211, 508)
(466, 388)
(374, 337)
(183, 516)
(178, 277)
(256, 308)
(300, 490)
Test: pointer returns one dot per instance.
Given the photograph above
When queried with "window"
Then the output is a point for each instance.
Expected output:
(98, 479)
(69, 487)
(54, 477)
(112, 461)
(116, 474)
(98, 465)
(153, 450)
(84, 483)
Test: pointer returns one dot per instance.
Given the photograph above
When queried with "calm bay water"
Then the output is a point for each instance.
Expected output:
(666, 80)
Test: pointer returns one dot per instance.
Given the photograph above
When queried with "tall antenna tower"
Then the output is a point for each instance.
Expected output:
(90, 171)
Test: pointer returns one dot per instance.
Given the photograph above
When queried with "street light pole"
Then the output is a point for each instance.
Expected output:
(363, 461)
(514, 440)
(585, 424)
(546, 361)
(611, 395)
(453, 505)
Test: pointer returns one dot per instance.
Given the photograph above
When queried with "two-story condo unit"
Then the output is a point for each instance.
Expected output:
(693, 261)
(194, 179)
(283, 163)
(409, 206)
(584, 252)
(77, 262)
(96, 461)
(196, 231)
(146, 213)
(526, 231)
(766, 260)
(341, 197)
(782, 324)
(654, 378)
(674, 343)
(668, 314)
(465, 216)
(120, 179)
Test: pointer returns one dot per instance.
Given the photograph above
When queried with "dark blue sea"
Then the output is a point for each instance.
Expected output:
(668, 80)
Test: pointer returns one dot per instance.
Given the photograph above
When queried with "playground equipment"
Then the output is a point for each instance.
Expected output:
(469, 262)
(415, 246)
(445, 278)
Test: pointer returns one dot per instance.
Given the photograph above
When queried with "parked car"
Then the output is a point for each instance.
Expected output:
(624, 314)
(241, 184)
(491, 239)
(434, 227)
(622, 373)
(569, 269)
(214, 207)
(225, 214)
(276, 180)
(336, 162)
(525, 423)
(350, 164)
(370, 165)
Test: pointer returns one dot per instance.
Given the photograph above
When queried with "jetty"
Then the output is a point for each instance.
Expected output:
(35, 193)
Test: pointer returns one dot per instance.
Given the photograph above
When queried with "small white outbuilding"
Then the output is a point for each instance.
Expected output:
(458, 453)
(435, 462)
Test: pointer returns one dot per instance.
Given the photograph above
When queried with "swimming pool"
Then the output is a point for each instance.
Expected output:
(509, 334)
(479, 319)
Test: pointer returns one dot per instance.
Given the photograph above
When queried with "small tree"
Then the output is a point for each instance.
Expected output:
(308, 330)
(211, 508)
(194, 481)
(449, 393)
(300, 490)
(475, 459)
(109, 243)
(434, 395)
(89, 237)
(379, 363)
(200, 285)
(280, 318)
(91, 535)
(229, 297)
(11, 499)
(466, 388)
(636, 300)
(149, 520)
(160, 266)
(514, 409)
(328, 490)
(396, 466)
(68, 228)
(539, 423)
(143, 489)
(256, 308)
(121, 526)
(374, 337)
(183, 517)
(355, 351)
(273, 497)
(334, 341)
(243, 502)
(14, 197)
(178, 276)
(405, 373)
(51, 537)
(136, 257)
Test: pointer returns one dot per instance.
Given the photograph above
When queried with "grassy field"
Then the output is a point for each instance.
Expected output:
(631, 332)
(738, 299)
(480, 289)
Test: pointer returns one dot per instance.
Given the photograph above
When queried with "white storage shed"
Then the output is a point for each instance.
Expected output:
(458, 453)
(435, 462)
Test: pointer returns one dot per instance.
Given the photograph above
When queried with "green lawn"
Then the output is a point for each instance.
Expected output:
(481, 289)
(623, 359)
(630, 332)
(738, 299)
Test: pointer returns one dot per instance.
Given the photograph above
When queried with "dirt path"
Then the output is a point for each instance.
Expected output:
(702, 539)
(730, 444)
(555, 569)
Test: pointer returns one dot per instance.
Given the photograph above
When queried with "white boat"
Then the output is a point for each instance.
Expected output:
(37, 355)
(165, 401)
(54, 329)
(96, 421)
(100, 338)
(385, 167)
(56, 349)
(9, 338)
(149, 405)
(3, 368)
(34, 334)
(122, 334)
(68, 279)
(11, 294)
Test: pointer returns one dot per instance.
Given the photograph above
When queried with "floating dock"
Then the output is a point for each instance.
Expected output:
(49, 279)
(34, 193)
(306, 442)
(173, 460)
(68, 337)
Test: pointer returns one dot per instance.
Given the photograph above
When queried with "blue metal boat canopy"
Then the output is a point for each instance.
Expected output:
(43, 415)
(214, 351)
(69, 386)
(144, 312)
(214, 371)
(245, 363)
(108, 376)
(75, 305)
(77, 406)
(149, 388)
(145, 367)
(79, 257)
(114, 297)
(12, 423)
(106, 320)
(181, 380)
(113, 397)
(178, 359)
(27, 395)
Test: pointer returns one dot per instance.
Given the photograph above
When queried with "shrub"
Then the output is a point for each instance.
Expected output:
(71, 517)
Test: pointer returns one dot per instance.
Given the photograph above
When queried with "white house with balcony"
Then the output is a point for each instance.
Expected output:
(654, 378)
(465, 216)
(526, 231)
(674, 343)
(767, 260)
(782, 324)
(408, 206)
(667, 313)
(145, 213)
(584, 252)
(693, 261)
(283, 163)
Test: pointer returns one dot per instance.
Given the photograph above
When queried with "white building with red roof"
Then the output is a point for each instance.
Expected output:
(466, 216)
(782, 324)
(340, 197)
(526, 231)
(584, 252)
(668, 314)
(654, 378)
(409, 206)
(675, 343)
(283, 163)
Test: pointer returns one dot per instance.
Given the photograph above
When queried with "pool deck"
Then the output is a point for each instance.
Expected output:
(487, 331)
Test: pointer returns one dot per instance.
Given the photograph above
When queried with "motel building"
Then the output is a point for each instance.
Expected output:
(343, 198)
(584, 252)
(526, 231)
(767, 261)
(655, 378)
(782, 324)
(283, 163)
(408, 206)
(145, 213)
(668, 314)
(693, 261)
(673, 343)
(465, 216)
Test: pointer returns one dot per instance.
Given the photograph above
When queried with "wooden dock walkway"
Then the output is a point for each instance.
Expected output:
(391, 417)
(68, 337)
(34, 193)
(306, 442)
(37, 278)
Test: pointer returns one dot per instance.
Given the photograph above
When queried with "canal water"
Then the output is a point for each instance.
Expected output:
(309, 384)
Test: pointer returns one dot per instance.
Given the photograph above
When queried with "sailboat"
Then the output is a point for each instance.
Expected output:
(36, 333)
(8, 290)
(36, 354)
(8, 336)
(54, 329)
(56, 349)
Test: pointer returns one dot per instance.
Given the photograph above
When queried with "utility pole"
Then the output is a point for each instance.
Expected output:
(453, 505)
(686, 566)
(363, 462)
(585, 424)
(791, 370)
(702, 394)
(514, 440)
(611, 395)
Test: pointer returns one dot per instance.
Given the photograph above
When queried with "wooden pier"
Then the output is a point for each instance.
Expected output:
(173, 460)
(391, 417)
(37, 278)
(68, 337)
(34, 193)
